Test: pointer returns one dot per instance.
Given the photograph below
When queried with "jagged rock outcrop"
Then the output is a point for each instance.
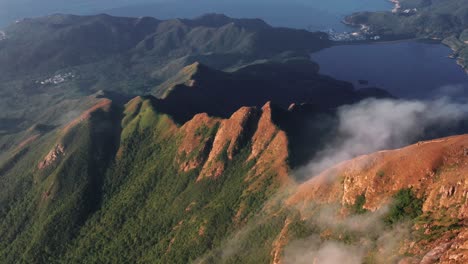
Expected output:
(265, 132)
(57, 152)
(196, 141)
(230, 138)
(209, 143)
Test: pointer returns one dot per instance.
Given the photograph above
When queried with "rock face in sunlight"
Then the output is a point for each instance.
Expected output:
(435, 171)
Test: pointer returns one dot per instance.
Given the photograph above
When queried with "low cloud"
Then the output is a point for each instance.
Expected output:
(369, 239)
(312, 251)
(373, 125)
(455, 92)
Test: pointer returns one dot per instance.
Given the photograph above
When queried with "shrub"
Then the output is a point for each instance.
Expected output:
(358, 207)
(406, 206)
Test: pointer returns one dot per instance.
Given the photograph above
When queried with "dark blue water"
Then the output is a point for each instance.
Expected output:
(409, 69)
(11, 10)
(314, 15)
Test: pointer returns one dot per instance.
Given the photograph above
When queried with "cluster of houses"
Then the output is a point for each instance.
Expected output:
(59, 78)
(2, 35)
(344, 36)
(350, 36)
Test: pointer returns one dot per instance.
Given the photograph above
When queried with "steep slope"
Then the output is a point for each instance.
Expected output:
(425, 183)
(52, 183)
(399, 206)
(198, 186)
(129, 183)
(191, 185)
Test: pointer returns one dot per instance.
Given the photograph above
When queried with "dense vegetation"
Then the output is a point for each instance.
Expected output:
(405, 206)
(118, 193)
(99, 205)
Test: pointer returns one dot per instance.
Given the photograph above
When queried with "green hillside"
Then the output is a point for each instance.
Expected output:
(100, 199)
(127, 184)
(133, 55)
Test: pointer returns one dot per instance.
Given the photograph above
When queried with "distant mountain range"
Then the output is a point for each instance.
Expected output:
(47, 60)
(145, 47)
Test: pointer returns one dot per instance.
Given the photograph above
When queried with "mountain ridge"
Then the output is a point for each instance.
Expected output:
(207, 178)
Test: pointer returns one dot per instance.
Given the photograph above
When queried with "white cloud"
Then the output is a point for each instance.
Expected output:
(373, 125)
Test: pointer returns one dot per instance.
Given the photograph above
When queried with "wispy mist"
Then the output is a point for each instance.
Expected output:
(367, 234)
(373, 125)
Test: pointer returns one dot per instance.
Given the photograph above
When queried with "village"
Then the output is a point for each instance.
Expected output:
(350, 36)
(57, 79)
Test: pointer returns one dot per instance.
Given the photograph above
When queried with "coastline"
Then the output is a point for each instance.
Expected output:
(377, 42)
(365, 30)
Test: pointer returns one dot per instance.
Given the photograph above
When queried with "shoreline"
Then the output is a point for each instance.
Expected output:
(342, 43)
(362, 29)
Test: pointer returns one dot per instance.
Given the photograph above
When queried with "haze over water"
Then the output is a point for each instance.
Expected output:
(315, 15)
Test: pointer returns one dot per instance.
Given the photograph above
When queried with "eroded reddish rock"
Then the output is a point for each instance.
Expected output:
(272, 161)
(228, 141)
(196, 139)
(434, 169)
(57, 152)
(265, 132)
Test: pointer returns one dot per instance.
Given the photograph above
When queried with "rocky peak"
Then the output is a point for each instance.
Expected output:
(196, 139)
(230, 138)
(265, 132)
